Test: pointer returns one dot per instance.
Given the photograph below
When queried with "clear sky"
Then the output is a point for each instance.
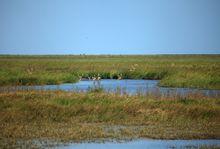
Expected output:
(109, 26)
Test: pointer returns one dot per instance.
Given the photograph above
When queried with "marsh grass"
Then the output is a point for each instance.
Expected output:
(78, 116)
(199, 71)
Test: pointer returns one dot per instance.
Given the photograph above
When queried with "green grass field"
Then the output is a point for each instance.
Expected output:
(198, 71)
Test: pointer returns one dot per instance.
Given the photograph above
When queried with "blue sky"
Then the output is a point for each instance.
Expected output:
(109, 26)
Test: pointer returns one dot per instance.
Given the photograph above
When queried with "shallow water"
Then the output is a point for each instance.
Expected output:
(145, 144)
(125, 86)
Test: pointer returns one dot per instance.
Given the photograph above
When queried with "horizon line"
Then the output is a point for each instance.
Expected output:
(108, 54)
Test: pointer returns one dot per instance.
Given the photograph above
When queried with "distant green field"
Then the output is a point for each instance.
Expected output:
(199, 71)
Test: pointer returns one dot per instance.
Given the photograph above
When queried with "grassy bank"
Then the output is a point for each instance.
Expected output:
(73, 116)
(200, 71)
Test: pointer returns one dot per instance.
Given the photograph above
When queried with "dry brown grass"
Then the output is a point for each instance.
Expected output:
(66, 116)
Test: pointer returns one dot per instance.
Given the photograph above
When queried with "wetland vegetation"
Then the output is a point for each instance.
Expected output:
(96, 114)
(79, 116)
(197, 71)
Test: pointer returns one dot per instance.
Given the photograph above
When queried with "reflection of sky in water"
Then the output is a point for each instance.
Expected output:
(147, 144)
(128, 86)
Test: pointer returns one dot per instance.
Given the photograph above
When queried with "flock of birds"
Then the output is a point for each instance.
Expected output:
(91, 78)
(97, 78)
